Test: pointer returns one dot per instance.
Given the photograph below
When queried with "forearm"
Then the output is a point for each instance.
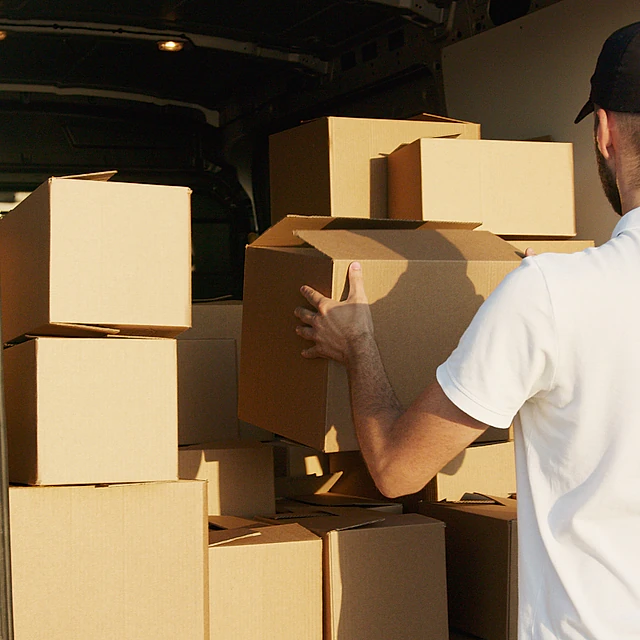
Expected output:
(375, 407)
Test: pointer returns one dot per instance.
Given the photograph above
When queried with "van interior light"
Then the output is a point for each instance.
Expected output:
(3, 35)
(170, 45)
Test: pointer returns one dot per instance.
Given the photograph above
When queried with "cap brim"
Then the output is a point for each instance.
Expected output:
(584, 112)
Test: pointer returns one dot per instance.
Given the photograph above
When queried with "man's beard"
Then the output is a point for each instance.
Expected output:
(608, 180)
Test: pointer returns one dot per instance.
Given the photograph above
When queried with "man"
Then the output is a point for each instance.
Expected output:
(556, 349)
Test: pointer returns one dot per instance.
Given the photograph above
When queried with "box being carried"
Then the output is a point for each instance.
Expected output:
(424, 286)
(514, 188)
(90, 257)
(336, 166)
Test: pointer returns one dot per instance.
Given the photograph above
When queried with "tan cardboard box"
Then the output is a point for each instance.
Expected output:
(207, 391)
(291, 459)
(119, 561)
(88, 257)
(239, 474)
(336, 166)
(424, 287)
(551, 246)
(264, 581)
(513, 188)
(217, 320)
(482, 566)
(91, 410)
(384, 574)
(487, 468)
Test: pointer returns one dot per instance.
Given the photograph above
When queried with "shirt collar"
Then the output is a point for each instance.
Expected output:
(630, 220)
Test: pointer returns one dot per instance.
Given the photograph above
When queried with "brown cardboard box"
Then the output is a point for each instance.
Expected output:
(424, 287)
(217, 320)
(487, 468)
(120, 561)
(207, 391)
(91, 410)
(327, 499)
(264, 581)
(337, 166)
(551, 246)
(384, 574)
(239, 475)
(513, 188)
(88, 257)
(482, 566)
(293, 459)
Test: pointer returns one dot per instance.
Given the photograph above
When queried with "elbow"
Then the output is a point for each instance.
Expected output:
(394, 482)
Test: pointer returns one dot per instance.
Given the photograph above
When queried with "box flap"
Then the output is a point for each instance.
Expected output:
(290, 486)
(224, 536)
(450, 245)
(231, 522)
(285, 232)
(98, 176)
(321, 521)
(430, 117)
(326, 499)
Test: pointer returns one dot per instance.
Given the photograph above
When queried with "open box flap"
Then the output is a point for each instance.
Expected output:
(451, 245)
(98, 176)
(430, 117)
(218, 537)
(323, 520)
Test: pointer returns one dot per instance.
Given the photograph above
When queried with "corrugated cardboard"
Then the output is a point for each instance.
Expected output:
(217, 320)
(207, 391)
(293, 459)
(482, 566)
(336, 166)
(119, 561)
(514, 188)
(264, 581)
(424, 287)
(239, 475)
(328, 499)
(384, 574)
(551, 246)
(91, 410)
(80, 257)
(487, 468)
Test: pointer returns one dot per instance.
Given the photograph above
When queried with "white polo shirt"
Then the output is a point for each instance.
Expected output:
(557, 347)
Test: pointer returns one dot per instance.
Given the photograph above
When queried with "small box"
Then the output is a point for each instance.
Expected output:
(513, 188)
(336, 166)
(207, 391)
(482, 565)
(264, 581)
(384, 573)
(218, 320)
(91, 410)
(424, 286)
(119, 561)
(85, 257)
(239, 474)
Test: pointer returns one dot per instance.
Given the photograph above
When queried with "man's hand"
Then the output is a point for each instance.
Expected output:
(336, 328)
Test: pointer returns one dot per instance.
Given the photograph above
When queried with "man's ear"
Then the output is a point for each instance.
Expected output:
(604, 133)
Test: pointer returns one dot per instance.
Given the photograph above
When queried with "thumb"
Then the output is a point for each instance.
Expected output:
(356, 283)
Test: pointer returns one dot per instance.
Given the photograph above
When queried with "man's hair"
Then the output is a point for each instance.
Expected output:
(629, 127)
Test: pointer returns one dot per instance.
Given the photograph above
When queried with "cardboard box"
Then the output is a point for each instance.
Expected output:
(239, 475)
(482, 566)
(327, 499)
(119, 561)
(91, 410)
(86, 257)
(424, 287)
(207, 391)
(264, 581)
(487, 468)
(513, 188)
(384, 574)
(551, 246)
(293, 459)
(336, 166)
(217, 320)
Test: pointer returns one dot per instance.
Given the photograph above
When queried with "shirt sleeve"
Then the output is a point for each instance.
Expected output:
(508, 354)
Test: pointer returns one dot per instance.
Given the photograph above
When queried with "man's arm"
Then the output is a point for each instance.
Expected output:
(402, 449)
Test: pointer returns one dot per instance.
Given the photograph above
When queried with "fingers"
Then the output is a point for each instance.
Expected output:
(306, 315)
(529, 252)
(313, 297)
(305, 332)
(356, 283)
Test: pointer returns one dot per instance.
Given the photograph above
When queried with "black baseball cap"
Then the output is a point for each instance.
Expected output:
(615, 84)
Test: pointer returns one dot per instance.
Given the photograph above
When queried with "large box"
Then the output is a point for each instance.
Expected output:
(336, 166)
(88, 257)
(514, 188)
(207, 391)
(482, 566)
(264, 581)
(119, 561)
(239, 474)
(424, 287)
(384, 574)
(551, 246)
(91, 410)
